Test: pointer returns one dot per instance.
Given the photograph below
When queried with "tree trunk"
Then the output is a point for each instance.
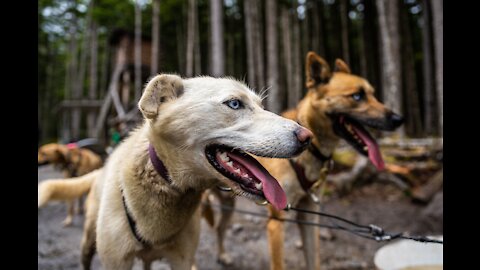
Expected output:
(249, 5)
(428, 79)
(295, 93)
(437, 15)
(287, 52)
(138, 51)
(104, 72)
(192, 19)
(390, 55)
(370, 37)
(79, 84)
(318, 45)
(71, 74)
(125, 89)
(197, 53)
(92, 90)
(218, 48)
(181, 48)
(413, 116)
(344, 30)
(275, 98)
(112, 92)
(155, 37)
(258, 44)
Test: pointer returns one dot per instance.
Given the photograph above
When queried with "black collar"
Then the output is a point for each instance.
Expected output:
(160, 168)
(133, 224)
(300, 170)
(302, 178)
(315, 152)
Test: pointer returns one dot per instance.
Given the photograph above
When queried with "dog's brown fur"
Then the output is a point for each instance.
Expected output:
(328, 92)
(73, 162)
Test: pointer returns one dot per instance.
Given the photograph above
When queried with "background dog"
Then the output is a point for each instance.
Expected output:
(337, 106)
(73, 162)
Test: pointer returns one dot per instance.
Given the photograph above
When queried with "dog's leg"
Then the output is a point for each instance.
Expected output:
(275, 240)
(89, 233)
(80, 206)
(70, 210)
(147, 264)
(118, 264)
(309, 234)
(181, 255)
(229, 201)
(88, 244)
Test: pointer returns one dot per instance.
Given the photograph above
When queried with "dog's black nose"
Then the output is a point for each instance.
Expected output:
(304, 136)
(395, 119)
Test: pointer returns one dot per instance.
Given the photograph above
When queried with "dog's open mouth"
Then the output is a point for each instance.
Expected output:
(247, 174)
(354, 133)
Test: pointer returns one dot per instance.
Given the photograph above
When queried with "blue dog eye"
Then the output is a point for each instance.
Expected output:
(234, 104)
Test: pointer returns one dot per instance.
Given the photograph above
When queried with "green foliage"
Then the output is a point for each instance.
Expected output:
(55, 20)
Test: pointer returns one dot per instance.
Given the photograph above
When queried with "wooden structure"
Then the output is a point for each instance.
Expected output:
(124, 114)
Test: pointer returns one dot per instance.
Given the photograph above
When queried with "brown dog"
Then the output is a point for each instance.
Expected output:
(336, 106)
(73, 162)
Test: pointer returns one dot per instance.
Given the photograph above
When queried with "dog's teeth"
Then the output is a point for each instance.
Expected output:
(230, 164)
(245, 176)
(259, 186)
(237, 171)
(261, 202)
(224, 188)
(365, 148)
(224, 157)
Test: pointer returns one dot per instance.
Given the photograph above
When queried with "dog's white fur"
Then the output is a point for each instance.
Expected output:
(183, 116)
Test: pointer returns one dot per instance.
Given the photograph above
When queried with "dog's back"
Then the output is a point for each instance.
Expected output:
(65, 189)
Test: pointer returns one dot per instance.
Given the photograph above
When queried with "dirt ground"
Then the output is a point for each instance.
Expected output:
(374, 203)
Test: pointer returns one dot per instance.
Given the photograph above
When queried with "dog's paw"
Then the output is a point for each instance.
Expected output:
(225, 259)
(67, 222)
(326, 234)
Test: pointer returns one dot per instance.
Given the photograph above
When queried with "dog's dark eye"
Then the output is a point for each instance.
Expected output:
(234, 104)
(358, 96)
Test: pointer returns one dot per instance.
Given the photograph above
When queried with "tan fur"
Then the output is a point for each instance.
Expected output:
(328, 92)
(59, 189)
(73, 162)
(183, 116)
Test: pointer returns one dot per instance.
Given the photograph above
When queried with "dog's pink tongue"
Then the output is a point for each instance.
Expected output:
(373, 150)
(271, 188)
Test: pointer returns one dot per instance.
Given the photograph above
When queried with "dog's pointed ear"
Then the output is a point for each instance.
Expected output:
(160, 89)
(317, 70)
(341, 66)
(62, 152)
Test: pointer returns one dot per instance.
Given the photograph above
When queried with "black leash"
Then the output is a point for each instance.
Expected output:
(372, 232)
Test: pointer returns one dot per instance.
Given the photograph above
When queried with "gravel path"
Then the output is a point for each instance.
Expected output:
(380, 204)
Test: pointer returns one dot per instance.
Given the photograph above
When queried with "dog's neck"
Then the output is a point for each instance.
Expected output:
(319, 123)
(151, 199)
(324, 139)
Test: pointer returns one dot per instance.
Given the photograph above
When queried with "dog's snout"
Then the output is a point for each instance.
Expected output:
(395, 119)
(303, 135)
